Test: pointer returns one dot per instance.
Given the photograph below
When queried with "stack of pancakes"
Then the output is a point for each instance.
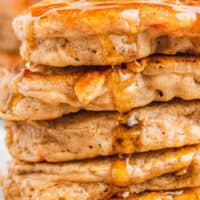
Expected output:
(106, 103)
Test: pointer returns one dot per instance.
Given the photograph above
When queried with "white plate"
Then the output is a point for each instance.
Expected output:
(4, 156)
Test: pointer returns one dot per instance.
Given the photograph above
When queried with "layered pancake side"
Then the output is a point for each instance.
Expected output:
(51, 93)
(64, 33)
(171, 169)
(159, 126)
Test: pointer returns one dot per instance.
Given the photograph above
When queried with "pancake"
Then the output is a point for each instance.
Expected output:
(159, 171)
(49, 94)
(31, 188)
(120, 172)
(67, 32)
(173, 124)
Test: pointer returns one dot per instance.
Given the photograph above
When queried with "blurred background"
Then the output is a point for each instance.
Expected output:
(4, 156)
(9, 55)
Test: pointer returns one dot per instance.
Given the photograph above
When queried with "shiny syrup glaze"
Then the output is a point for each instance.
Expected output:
(129, 12)
(189, 194)
(124, 87)
(124, 171)
(130, 15)
(48, 6)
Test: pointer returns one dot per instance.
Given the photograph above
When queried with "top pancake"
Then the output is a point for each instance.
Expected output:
(95, 32)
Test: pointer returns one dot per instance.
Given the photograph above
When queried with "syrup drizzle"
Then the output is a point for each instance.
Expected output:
(45, 8)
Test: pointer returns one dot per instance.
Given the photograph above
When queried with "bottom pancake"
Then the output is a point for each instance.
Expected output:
(172, 169)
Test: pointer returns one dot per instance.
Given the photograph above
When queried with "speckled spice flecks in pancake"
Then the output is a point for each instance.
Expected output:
(104, 178)
(53, 92)
(174, 124)
(112, 32)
